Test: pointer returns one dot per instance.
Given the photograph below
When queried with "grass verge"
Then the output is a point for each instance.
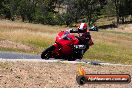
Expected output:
(110, 45)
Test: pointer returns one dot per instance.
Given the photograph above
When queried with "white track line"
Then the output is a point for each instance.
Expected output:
(61, 61)
(38, 60)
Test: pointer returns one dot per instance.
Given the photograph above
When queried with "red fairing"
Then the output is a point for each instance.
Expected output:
(61, 41)
(65, 43)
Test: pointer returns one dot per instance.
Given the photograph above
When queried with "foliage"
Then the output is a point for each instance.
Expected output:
(45, 11)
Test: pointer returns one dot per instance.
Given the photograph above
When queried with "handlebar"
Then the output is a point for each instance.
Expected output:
(76, 31)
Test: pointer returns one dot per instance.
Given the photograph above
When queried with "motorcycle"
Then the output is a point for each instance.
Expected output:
(67, 46)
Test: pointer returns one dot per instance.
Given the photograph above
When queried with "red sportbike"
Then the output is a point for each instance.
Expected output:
(67, 46)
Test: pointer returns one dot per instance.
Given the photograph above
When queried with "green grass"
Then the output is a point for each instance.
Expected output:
(109, 53)
(111, 46)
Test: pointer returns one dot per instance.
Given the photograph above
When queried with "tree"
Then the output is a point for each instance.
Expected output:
(85, 8)
(118, 8)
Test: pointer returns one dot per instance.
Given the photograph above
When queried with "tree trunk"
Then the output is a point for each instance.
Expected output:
(116, 2)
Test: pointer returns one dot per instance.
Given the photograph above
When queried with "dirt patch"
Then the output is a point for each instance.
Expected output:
(55, 75)
(14, 45)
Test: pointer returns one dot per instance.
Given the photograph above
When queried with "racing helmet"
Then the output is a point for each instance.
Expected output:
(82, 27)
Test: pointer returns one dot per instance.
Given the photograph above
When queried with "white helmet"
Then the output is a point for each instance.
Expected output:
(82, 27)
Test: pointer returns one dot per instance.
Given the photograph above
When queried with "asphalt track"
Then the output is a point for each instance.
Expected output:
(13, 56)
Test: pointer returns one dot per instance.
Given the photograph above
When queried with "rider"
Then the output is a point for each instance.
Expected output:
(84, 35)
(83, 32)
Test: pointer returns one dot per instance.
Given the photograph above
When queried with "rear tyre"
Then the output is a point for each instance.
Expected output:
(78, 54)
(74, 57)
(46, 54)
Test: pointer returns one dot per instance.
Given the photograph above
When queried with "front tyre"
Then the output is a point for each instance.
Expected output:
(46, 54)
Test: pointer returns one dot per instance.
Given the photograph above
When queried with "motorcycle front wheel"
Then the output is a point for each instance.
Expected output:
(47, 53)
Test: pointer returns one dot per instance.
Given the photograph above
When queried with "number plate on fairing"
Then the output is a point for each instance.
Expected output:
(79, 46)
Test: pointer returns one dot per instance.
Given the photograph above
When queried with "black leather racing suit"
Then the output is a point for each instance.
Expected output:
(84, 38)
